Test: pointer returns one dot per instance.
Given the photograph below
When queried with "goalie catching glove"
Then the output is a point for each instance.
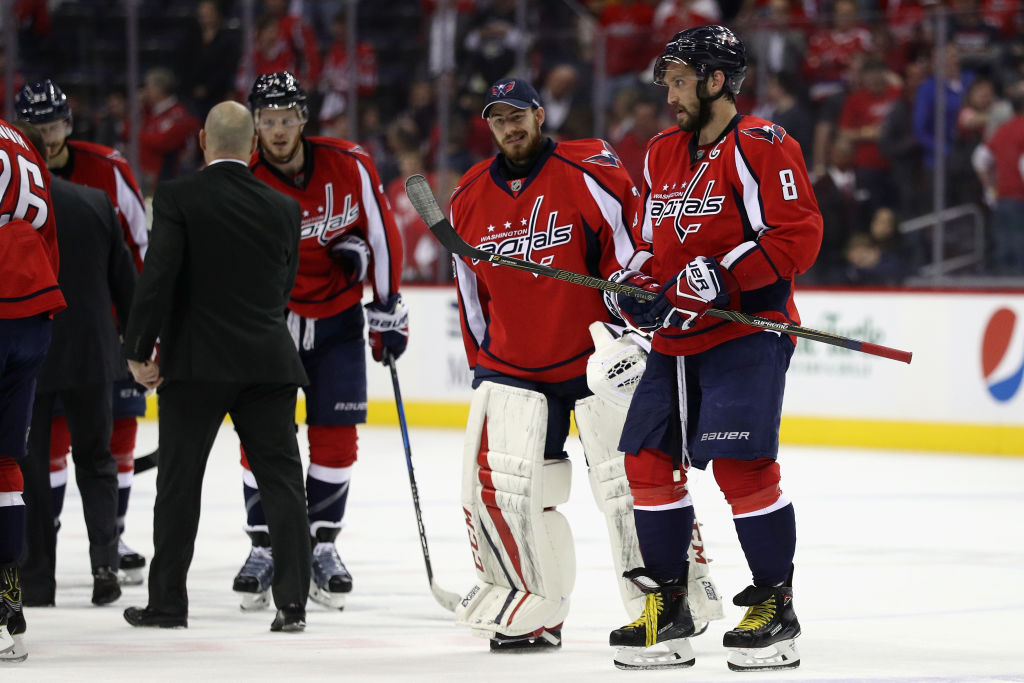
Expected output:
(389, 327)
(352, 254)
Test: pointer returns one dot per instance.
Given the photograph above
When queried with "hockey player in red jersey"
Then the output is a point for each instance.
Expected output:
(29, 296)
(44, 105)
(570, 205)
(731, 219)
(348, 235)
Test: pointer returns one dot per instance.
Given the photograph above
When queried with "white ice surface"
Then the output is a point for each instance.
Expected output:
(909, 567)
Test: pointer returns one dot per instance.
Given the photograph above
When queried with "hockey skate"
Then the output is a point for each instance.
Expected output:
(765, 639)
(541, 640)
(12, 618)
(659, 639)
(330, 580)
(105, 586)
(254, 578)
(129, 571)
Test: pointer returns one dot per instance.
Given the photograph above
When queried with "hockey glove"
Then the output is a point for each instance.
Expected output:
(641, 315)
(389, 327)
(702, 285)
(352, 254)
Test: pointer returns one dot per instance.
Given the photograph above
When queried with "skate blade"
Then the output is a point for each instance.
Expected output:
(251, 602)
(326, 598)
(671, 654)
(15, 652)
(781, 655)
(130, 577)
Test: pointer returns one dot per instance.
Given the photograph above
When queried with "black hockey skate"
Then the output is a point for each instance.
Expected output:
(659, 639)
(12, 618)
(765, 639)
(330, 580)
(105, 586)
(130, 565)
(541, 640)
(257, 574)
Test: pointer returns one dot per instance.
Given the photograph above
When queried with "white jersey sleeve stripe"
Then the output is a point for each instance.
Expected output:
(647, 229)
(376, 236)
(466, 280)
(751, 194)
(611, 210)
(131, 207)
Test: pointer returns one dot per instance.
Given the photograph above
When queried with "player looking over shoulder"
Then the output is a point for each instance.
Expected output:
(570, 205)
(731, 219)
(348, 235)
(44, 105)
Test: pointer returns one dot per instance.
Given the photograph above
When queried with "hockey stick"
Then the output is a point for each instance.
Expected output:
(446, 599)
(426, 205)
(147, 462)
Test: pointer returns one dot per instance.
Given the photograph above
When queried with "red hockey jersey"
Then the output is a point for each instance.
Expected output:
(744, 200)
(574, 211)
(105, 169)
(339, 191)
(29, 259)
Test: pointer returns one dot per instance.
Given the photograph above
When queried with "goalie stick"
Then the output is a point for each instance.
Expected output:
(423, 200)
(446, 599)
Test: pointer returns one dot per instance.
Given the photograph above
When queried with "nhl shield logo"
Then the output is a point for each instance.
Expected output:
(516, 185)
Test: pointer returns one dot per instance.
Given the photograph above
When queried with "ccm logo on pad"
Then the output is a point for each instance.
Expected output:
(724, 436)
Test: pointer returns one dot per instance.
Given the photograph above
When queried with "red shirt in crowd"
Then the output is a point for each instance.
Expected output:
(628, 45)
(865, 108)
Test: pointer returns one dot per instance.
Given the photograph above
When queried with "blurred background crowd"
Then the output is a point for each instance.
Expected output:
(910, 113)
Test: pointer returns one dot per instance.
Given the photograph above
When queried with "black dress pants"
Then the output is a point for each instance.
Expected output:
(191, 413)
(88, 413)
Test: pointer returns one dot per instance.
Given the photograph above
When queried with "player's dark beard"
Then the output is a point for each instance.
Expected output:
(697, 123)
(528, 154)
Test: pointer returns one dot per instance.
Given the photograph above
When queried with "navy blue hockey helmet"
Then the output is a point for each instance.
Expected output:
(279, 90)
(707, 49)
(41, 102)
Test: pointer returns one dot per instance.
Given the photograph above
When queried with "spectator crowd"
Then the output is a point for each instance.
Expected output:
(853, 81)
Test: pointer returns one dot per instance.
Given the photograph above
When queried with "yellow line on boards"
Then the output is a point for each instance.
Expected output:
(812, 431)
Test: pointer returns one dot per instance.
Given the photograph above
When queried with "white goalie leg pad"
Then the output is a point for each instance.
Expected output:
(522, 548)
(702, 594)
(600, 425)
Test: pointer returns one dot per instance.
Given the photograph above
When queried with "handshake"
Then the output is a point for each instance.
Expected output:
(681, 301)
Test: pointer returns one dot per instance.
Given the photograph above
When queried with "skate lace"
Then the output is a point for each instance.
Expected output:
(258, 561)
(327, 559)
(757, 616)
(10, 584)
(648, 619)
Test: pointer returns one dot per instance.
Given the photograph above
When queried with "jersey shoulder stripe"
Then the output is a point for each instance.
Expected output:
(471, 176)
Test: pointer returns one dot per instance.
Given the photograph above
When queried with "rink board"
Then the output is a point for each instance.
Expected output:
(963, 392)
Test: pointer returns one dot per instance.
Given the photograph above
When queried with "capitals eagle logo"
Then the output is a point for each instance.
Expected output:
(503, 89)
(767, 132)
(606, 158)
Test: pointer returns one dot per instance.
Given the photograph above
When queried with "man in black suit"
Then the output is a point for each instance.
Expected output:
(81, 365)
(222, 261)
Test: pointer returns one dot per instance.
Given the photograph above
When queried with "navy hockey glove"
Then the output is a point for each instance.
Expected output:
(389, 327)
(702, 285)
(352, 254)
(641, 315)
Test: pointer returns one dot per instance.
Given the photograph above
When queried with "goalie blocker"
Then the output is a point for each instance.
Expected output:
(522, 547)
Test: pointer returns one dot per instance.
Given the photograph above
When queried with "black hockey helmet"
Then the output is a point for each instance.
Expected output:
(707, 49)
(278, 90)
(41, 102)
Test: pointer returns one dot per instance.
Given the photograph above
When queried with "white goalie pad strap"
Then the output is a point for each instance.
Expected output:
(522, 549)
(701, 592)
(618, 362)
(600, 424)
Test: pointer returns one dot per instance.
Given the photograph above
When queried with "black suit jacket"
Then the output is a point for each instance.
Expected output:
(95, 269)
(222, 260)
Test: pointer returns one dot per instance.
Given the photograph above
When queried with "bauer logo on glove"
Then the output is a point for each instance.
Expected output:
(389, 327)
